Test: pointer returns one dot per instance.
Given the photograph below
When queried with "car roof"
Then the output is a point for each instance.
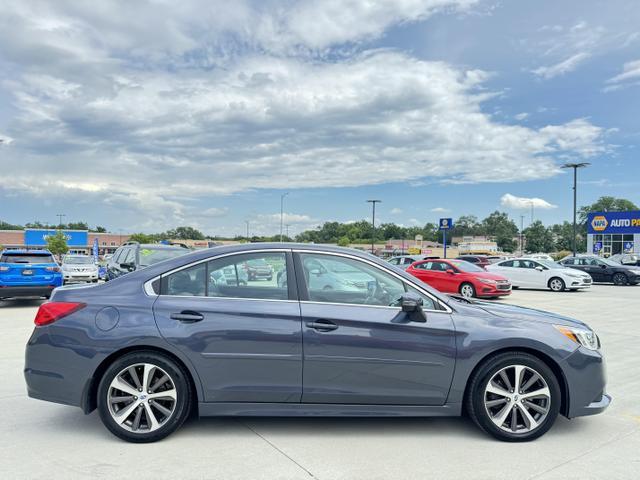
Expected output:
(25, 251)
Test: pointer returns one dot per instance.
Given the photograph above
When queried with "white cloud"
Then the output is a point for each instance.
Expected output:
(396, 211)
(563, 67)
(630, 75)
(440, 210)
(511, 201)
(521, 116)
(5, 140)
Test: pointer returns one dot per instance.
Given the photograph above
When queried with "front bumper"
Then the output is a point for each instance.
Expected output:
(488, 290)
(579, 283)
(80, 277)
(585, 374)
(23, 291)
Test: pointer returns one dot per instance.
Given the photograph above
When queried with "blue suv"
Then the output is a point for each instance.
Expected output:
(28, 273)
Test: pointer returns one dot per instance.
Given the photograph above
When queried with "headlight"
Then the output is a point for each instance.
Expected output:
(635, 272)
(487, 280)
(586, 338)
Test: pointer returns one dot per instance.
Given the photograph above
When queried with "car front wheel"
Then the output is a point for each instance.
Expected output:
(467, 290)
(514, 396)
(143, 397)
(556, 284)
(620, 279)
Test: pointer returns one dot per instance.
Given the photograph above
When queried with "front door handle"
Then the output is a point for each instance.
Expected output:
(187, 316)
(322, 325)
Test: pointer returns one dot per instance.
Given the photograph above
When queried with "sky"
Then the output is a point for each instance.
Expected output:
(143, 116)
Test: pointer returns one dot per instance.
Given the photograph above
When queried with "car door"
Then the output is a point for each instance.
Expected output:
(360, 348)
(593, 267)
(424, 271)
(244, 338)
(528, 276)
(448, 277)
(507, 270)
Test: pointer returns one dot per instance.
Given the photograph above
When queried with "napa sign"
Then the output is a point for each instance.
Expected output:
(613, 222)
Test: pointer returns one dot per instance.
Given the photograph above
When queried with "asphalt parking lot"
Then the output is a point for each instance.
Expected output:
(44, 440)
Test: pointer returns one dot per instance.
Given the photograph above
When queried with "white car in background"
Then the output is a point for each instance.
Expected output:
(532, 273)
(79, 268)
(539, 256)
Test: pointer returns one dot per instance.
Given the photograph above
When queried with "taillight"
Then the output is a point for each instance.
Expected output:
(52, 269)
(51, 311)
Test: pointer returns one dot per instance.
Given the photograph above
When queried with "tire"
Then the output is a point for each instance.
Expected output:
(467, 290)
(269, 278)
(620, 279)
(557, 285)
(487, 408)
(137, 424)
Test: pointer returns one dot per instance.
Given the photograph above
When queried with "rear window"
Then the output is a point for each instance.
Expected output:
(150, 256)
(26, 258)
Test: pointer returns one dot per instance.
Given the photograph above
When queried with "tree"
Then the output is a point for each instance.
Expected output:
(185, 233)
(539, 238)
(100, 229)
(57, 243)
(141, 238)
(502, 228)
(9, 226)
(344, 241)
(607, 204)
(77, 226)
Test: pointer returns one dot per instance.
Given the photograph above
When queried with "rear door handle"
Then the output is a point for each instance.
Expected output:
(187, 316)
(322, 325)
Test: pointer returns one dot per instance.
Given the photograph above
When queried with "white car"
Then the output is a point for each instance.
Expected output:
(530, 273)
(79, 268)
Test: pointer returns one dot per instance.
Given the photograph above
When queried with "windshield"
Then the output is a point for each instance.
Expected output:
(149, 256)
(26, 258)
(466, 266)
(550, 264)
(80, 260)
(611, 263)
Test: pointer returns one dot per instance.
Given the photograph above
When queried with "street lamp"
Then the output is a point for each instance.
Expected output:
(287, 229)
(575, 167)
(247, 222)
(60, 215)
(373, 224)
(282, 212)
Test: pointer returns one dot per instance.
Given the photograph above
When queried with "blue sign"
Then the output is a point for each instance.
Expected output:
(628, 247)
(95, 250)
(38, 237)
(446, 224)
(597, 247)
(613, 222)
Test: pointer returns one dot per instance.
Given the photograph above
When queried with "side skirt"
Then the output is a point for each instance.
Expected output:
(211, 409)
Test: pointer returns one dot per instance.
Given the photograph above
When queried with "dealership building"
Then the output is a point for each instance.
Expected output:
(78, 241)
(610, 233)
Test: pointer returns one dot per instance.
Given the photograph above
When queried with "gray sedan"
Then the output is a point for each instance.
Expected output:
(150, 348)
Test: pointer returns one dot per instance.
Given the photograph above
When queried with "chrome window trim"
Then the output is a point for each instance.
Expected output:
(232, 298)
(435, 300)
(222, 255)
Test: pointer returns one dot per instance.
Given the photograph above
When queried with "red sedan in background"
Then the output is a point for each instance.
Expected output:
(458, 276)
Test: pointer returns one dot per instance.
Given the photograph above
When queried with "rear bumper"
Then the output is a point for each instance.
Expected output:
(26, 291)
(585, 374)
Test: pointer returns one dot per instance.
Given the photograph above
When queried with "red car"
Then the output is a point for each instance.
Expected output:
(458, 276)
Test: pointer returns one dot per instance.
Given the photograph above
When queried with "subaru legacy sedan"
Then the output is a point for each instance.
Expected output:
(149, 348)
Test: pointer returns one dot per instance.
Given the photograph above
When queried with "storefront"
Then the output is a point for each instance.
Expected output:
(610, 233)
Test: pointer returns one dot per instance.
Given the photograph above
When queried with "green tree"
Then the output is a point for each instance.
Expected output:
(344, 241)
(141, 238)
(607, 204)
(77, 226)
(57, 243)
(539, 238)
(9, 226)
(185, 233)
(499, 226)
(99, 229)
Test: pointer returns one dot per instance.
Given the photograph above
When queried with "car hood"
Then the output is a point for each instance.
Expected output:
(489, 275)
(516, 312)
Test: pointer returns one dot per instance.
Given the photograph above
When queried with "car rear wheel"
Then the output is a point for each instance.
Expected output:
(557, 284)
(143, 397)
(514, 396)
(620, 279)
(467, 290)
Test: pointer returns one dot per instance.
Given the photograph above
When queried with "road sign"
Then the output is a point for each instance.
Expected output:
(628, 247)
(446, 224)
(597, 247)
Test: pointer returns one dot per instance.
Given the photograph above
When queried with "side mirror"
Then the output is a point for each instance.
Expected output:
(127, 266)
(602, 265)
(450, 271)
(539, 268)
(315, 271)
(412, 305)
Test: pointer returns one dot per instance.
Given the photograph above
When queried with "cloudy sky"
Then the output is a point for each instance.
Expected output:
(143, 116)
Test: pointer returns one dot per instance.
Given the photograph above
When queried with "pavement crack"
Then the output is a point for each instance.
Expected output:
(275, 447)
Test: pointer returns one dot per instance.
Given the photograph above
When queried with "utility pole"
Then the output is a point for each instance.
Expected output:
(287, 229)
(531, 212)
(282, 212)
(60, 215)
(521, 234)
(575, 167)
(373, 224)
(247, 222)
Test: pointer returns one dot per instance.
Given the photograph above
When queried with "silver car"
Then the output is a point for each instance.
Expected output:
(79, 268)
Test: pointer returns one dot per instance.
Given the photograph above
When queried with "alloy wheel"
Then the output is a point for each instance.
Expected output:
(142, 398)
(517, 399)
(466, 291)
(556, 285)
(619, 279)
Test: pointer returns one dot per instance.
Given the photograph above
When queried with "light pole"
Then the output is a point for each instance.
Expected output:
(575, 167)
(373, 224)
(282, 212)
(247, 222)
(287, 230)
(521, 234)
(60, 215)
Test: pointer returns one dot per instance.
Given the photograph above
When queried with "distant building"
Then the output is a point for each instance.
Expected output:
(610, 233)
(477, 246)
(78, 241)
